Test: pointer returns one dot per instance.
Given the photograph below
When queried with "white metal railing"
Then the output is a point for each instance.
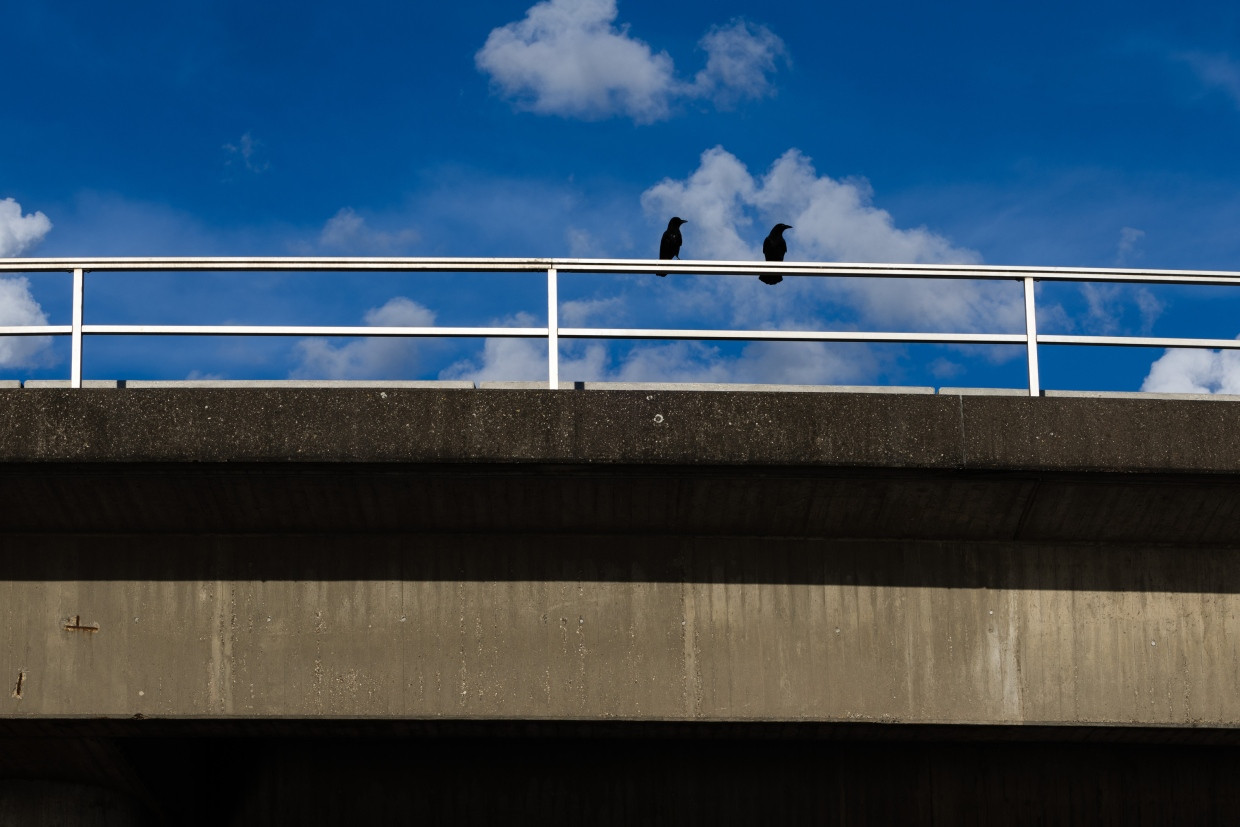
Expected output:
(553, 332)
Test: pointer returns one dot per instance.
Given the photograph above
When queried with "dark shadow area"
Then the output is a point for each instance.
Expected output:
(651, 777)
(756, 501)
(608, 558)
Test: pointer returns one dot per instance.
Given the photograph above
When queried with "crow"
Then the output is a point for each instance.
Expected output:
(774, 248)
(669, 245)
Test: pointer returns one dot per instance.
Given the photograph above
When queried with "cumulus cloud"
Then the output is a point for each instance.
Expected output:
(377, 358)
(730, 210)
(18, 307)
(1182, 370)
(834, 220)
(525, 359)
(741, 57)
(797, 363)
(346, 231)
(19, 233)
(569, 58)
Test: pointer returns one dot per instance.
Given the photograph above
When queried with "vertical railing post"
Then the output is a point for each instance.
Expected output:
(1031, 338)
(75, 347)
(553, 330)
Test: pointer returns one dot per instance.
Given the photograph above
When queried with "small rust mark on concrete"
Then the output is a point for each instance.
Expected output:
(75, 625)
(21, 678)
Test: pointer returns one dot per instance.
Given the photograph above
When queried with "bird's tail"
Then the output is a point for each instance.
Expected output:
(770, 278)
(661, 275)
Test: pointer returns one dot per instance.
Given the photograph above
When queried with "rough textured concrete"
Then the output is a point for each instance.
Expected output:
(644, 628)
(912, 432)
(631, 555)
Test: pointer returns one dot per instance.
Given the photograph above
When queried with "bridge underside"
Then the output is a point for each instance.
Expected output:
(551, 599)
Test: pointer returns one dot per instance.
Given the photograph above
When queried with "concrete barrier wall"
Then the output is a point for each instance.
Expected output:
(632, 555)
(649, 628)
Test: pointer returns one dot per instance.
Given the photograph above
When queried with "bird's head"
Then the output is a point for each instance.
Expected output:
(779, 228)
(675, 223)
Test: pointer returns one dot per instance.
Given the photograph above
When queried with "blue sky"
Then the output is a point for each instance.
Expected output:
(1062, 134)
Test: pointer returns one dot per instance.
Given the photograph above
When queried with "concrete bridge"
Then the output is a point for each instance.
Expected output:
(258, 605)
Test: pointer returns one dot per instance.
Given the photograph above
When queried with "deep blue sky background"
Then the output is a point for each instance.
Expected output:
(1097, 135)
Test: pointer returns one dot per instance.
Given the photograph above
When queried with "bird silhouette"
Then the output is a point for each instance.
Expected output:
(669, 244)
(774, 248)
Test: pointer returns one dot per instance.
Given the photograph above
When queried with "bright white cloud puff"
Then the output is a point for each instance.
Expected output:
(18, 306)
(348, 232)
(18, 232)
(375, 358)
(832, 220)
(569, 58)
(1195, 371)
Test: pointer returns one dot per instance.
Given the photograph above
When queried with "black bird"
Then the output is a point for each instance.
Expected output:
(669, 245)
(775, 248)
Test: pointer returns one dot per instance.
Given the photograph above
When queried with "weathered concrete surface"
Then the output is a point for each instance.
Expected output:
(619, 427)
(601, 462)
(655, 628)
(604, 555)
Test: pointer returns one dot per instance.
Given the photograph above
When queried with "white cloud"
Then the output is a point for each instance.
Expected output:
(582, 244)
(18, 232)
(579, 312)
(1195, 371)
(526, 359)
(834, 220)
(810, 363)
(377, 358)
(247, 150)
(1128, 248)
(740, 58)
(1150, 307)
(18, 307)
(798, 363)
(1107, 308)
(1101, 304)
(568, 57)
(791, 363)
(346, 231)
(730, 210)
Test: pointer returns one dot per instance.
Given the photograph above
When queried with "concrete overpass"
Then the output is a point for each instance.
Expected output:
(617, 605)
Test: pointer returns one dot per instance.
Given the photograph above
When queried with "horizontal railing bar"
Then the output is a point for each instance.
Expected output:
(792, 336)
(274, 264)
(540, 265)
(1140, 341)
(309, 330)
(616, 333)
(922, 271)
(35, 330)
